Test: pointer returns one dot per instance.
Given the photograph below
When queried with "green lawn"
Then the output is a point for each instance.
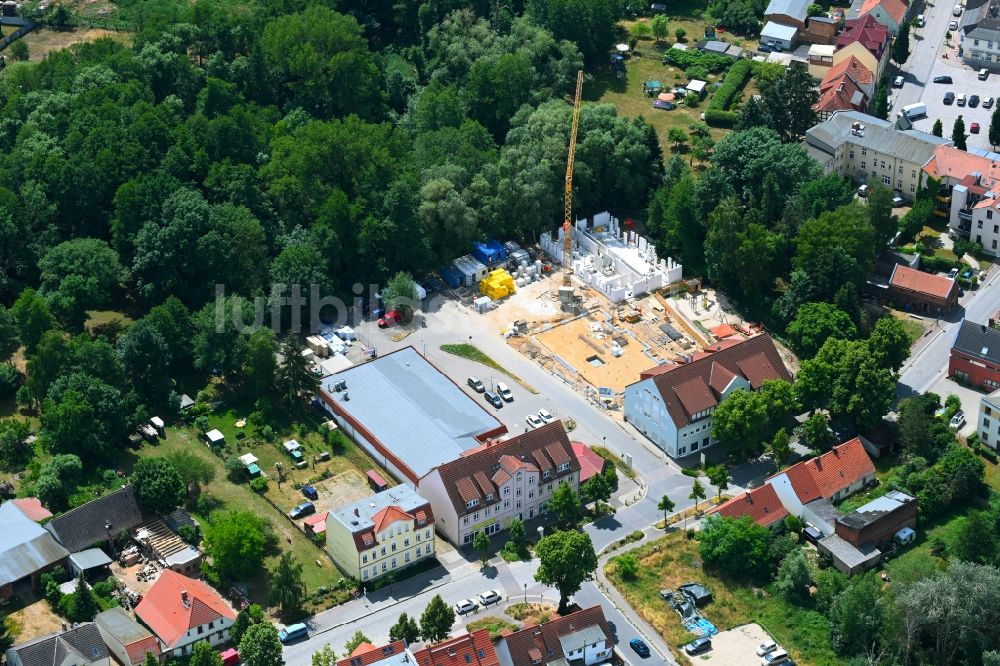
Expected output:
(672, 560)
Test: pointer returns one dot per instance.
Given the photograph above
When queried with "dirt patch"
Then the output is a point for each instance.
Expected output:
(34, 621)
(342, 488)
(42, 42)
(129, 576)
(531, 613)
(735, 647)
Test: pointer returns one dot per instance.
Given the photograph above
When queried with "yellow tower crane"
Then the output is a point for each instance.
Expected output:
(568, 217)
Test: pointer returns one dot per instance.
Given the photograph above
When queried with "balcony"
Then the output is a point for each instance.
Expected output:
(965, 215)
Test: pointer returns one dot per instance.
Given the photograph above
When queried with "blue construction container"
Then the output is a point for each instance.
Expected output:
(452, 276)
(491, 253)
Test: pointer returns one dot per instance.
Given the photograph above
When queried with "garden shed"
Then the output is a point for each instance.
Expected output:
(215, 438)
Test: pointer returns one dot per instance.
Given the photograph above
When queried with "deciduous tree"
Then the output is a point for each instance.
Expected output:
(814, 324)
(236, 541)
(203, 654)
(737, 548)
(482, 544)
(405, 629)
(565, 505)
(436, 620)
(856, 617)
(287, 591)
(33, 318)
(566, 560)
(697, 493)
(666, 505)
(794, 577)
(260, 646)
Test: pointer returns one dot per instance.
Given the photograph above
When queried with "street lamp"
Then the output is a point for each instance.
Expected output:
(525, 593)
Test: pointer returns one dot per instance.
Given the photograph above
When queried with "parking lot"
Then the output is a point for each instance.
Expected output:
(927, 61)
(735, 647)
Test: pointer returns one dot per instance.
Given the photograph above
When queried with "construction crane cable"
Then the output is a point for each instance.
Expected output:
(568, 203)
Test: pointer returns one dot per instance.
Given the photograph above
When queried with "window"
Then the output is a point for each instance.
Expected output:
(418, 537)
(681, 451)
(364, 574)
(364, 558)
(487, 512)
(851, 155)
(506, 504)
(427, 534)
(900, 170)
(531, 480)
(385, 567)
(886, 180)
(550, 487)
(989, 411)
(201, 629)
(562, 467)
(518, 492)
(471, 503)
(913, 174)
(986, 422)
(518, 504)
(406, 557)
(468, 658)
(547, 473)
(394, 563)
(694, 447)
(489, 497)
(864, 151)
(994, 245)
(465, 521)
(531, 494)
(394, 546)
(863, 166)
(406, 543)
(881, 164)
(383, 550)
(996, 228)
(913, 188)
(506, 490)
(475, 516)
(979, 239)
(989, 214)
(979, 224)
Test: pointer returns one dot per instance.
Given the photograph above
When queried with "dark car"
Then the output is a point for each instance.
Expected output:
(639, 647)
(973, 100)
(942, 79)
(764, 48)
(302, 510)
(310, 492)
(698, 645)
(949, 97)
(493, 399)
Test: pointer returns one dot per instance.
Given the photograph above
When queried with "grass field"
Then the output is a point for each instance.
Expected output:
(44, 41)
(673, 560)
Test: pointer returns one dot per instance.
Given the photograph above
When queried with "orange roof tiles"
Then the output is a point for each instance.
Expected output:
(896, 9)
(475, 649)
(542, 642)
(166, 613)
(868, 32)
(840, 467)
(32, 508)
(761, 504)
(723, 331)
(911, 279)
(366, 654)
(950, 162)
(853, 68)
(842, 94)
(389, 515)
(591, 464)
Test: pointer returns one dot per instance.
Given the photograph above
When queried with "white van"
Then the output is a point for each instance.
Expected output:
(920, 21)
(905, 536)
(912, 111)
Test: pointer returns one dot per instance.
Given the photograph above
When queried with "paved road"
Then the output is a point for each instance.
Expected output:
(929, 362)
(926, 62)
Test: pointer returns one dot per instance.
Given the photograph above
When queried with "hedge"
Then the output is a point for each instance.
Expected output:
(717, 118)
(711, 62)
(732, 86)
(938, 264)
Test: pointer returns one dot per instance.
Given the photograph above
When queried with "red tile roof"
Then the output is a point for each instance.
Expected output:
(841, 94)
(137, 650)
(910, 279)
(761, 504)
(820, 477)
(952, 162)
(165, 612)
(32, 508)
(542, 641)
(894, 8)
(366, 654)
(868, 32)
(475, 649)
(838, 468)
(723, 331)
(504, 458)
(389, 515)
(853, 68)
(686, 389)
(590, 463)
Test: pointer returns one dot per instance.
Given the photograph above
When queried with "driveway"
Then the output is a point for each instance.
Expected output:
(927, 61)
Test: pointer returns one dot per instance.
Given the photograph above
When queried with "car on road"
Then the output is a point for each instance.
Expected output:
(546, 416)
(490, 598)
(293, 632)
(984, 74)
(493, 399)
(958, 420)
(973, 100)
(533, 421)
(476, 385)
(919, 22)
(639, 647)
(942, 79)
(974, 128)
(957, 11)
(698, 645)
(302, 510)
(949, 97)
(960, 100)
(390, 318)
(310, 492)
(465, 606)
(953, 25)
(897, 82)
(505, 392)
(767, 647)
(987, 102)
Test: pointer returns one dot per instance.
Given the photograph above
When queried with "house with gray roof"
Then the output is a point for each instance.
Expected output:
(103, 519)
(26, 551)
(407, 414)
(871, 150)
(80, 646)
(979, 35)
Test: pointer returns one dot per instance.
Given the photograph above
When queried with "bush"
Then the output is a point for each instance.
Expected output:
(696, 72)
(732, 86)
(717, 118)
(10, 380)
(935, 264)
(259, 485)
(710, 62)
(987, 453)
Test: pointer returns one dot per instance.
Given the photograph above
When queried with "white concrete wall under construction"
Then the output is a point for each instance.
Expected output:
(619, 264)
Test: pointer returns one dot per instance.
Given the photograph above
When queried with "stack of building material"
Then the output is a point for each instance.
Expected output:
(497, 285)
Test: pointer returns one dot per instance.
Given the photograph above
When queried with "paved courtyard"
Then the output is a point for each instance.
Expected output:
(735, 647)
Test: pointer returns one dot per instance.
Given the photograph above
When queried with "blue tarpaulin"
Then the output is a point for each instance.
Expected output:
(490, 253)
(452, 276)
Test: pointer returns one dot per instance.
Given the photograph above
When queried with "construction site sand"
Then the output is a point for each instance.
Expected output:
(577, 343)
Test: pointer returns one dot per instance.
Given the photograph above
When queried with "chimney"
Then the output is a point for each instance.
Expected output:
(983, 326)
(185, 599)
(356, 513)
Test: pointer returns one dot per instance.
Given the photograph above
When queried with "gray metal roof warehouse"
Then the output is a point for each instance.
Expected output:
(27, 548)
(407, 414)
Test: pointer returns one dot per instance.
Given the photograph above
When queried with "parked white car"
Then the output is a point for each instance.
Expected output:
(766, 647)
(533, 421)
(546, 416)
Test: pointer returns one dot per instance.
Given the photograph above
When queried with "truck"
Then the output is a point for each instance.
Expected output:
(912, 111)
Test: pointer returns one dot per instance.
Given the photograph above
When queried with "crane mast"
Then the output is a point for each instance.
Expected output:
(568, 208)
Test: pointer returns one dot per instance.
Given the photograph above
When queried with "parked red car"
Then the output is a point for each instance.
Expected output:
(974, 128)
